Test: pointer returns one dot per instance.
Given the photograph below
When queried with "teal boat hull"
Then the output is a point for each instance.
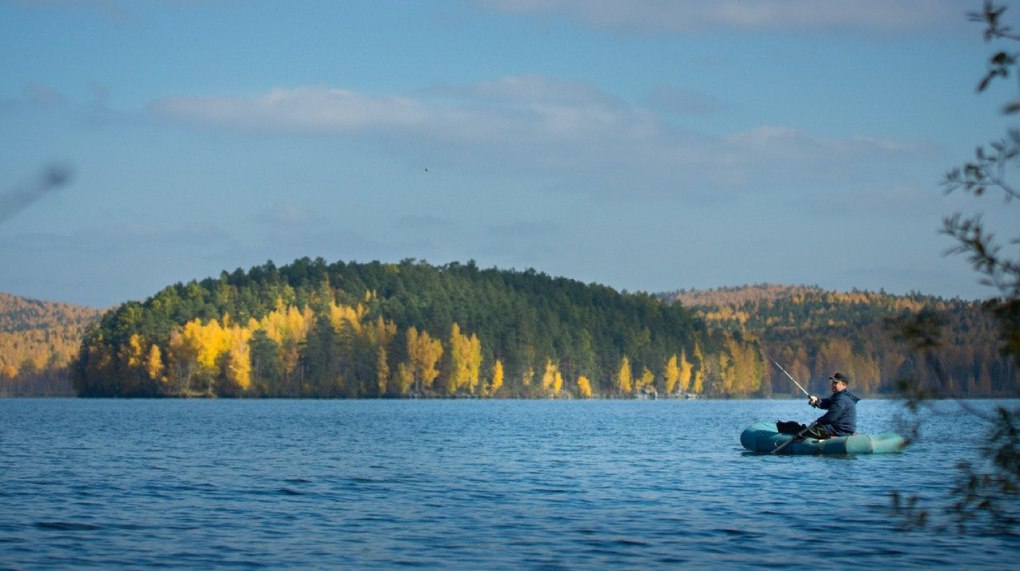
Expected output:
(763, 437)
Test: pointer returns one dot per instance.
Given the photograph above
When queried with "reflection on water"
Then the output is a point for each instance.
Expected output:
(459, 484)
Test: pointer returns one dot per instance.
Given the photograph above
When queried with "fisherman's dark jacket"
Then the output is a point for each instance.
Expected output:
(841, 416)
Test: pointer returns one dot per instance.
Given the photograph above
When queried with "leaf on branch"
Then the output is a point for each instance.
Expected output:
(986, 491)
(1002, 58)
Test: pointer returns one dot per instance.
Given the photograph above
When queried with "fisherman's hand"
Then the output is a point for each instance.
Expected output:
(813, 401)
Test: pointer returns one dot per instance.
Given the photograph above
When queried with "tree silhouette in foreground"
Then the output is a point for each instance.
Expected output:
(986, 492)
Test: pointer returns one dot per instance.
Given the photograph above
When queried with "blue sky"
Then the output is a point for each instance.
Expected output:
(643, 144)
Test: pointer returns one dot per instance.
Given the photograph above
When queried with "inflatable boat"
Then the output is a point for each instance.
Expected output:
(763, 437)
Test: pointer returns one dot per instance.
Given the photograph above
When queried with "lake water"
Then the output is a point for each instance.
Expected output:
(461, 485)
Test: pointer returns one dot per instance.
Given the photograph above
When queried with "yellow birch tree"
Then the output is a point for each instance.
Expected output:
(132, 370)
(670, 375)
(497, 378)
(549, 378)
(465, 361)
(154, 365)
(625, 377)
(424, 353)
(405, 378)
(238, 367)
(698, 383)
(527, 376)
(182, 361)
(647, 379)
(238, 362)
(686, 370)
(583, 387)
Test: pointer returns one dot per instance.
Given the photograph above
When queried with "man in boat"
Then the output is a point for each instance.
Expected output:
(840, 418)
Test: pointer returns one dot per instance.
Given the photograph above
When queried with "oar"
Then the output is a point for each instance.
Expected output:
(796, 437)
(791, 378)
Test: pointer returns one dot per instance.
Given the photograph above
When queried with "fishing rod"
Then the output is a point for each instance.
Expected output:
(791, 377)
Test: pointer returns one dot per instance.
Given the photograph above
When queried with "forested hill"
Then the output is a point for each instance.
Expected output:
(24, 314)
(814, 332)
(38, 340)
(313, 329)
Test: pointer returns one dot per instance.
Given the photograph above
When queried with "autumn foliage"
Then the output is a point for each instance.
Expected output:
(38, 340)
(313, 329)
(348, 330)
(814, 332)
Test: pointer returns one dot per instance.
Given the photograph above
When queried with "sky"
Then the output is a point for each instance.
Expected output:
(647, 145)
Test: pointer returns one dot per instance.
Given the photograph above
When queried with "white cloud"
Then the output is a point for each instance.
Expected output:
(511, 110)
(299, 110)
(775, 142)
(701, 16)
(556, 130)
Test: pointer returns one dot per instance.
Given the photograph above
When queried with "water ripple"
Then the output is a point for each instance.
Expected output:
(65, 526)
(454, 485)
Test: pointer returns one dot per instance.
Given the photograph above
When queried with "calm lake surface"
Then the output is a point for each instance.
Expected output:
(462, 485)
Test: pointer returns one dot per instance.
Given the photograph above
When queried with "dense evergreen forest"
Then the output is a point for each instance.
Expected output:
(312, 329)
(348, 330)
(814, 332)
(38, 340)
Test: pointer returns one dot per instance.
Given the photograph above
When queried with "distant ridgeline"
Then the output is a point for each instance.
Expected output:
(312, 329)
(38, 340)
(814, 332)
